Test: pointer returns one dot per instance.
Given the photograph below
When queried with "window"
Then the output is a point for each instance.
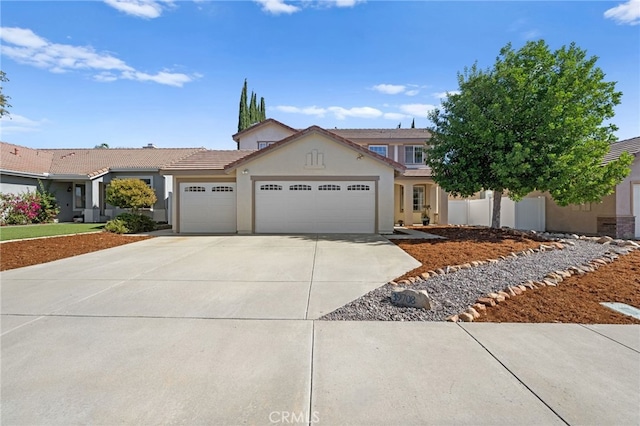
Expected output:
(264, 144)
(270, 187)
(194, 189)
(358, 188)
(418, 198)
(79, 196)
(329, 188)
(379, 149)
(300, 188)
(222, 188)
(414, 154)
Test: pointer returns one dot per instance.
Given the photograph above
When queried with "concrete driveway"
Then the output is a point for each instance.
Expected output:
(217, 330)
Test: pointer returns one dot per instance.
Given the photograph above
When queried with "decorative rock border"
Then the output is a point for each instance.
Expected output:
(553, 241)
(552, 279)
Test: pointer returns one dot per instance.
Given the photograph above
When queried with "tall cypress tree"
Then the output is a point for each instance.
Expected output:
(413, 123)
(243, 118)
(253, 110)
(263, 110)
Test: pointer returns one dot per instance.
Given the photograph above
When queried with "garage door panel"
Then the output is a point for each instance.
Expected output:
(314, 206)
(208, 207)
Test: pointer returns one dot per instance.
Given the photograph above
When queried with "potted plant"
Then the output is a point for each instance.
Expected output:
(425, 215)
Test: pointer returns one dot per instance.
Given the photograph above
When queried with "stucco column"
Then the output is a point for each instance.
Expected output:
(443, 206)
(408, 203)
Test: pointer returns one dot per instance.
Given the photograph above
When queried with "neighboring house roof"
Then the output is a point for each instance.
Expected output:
(383, 133)
(16, 158)
(316, 129)
(209, 160)
(632, 146)
(87, 162)
(92, 162)
(259, 125)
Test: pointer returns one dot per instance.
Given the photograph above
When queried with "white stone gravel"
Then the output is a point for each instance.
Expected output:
(453, 293)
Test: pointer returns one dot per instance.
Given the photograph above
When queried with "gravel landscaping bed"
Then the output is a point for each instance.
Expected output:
(454, 292)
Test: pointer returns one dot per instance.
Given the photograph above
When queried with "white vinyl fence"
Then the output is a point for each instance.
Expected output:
(527, 214)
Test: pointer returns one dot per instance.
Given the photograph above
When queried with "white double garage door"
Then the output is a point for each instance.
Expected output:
(281, 207)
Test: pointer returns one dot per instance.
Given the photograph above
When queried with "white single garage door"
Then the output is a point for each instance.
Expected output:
(315, 206)
(208, 207)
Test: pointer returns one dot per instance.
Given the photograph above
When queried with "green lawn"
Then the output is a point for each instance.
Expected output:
(46, 230)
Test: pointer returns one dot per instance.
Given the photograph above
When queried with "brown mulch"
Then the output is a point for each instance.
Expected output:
(463, 244)
(575, 300)
(16, 254)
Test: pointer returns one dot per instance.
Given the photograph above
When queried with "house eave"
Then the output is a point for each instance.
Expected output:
(24, 174)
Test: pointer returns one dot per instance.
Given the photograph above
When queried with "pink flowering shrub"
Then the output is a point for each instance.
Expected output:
(29, 207)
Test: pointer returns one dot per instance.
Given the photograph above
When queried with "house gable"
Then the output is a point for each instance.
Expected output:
(267, 131)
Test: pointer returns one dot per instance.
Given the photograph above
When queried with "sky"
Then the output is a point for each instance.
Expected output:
(133, 72)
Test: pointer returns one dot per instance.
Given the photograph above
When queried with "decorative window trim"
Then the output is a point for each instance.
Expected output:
(358, 187)
(373, 148)
(299, 187)
(270, 187)
(410, 154)
(329, 187)
(264, 144)
(222, 188)
(194, 188)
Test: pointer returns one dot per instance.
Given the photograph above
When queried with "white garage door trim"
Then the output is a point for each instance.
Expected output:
(322, 205)
(208, 207)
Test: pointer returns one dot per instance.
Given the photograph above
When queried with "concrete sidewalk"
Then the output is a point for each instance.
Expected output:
(168, 331)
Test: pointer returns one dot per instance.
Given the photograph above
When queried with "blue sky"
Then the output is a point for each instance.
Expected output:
(133, 72)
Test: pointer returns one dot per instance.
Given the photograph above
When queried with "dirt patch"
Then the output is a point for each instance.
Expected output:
(577, 299)
(463, 244)
(16, 254)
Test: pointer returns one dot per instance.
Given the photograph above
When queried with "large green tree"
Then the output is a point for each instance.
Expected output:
(537, 120)
(243, 114)
(4, 99)
(250, 112)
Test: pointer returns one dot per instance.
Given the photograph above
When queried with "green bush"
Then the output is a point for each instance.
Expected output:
(116, 226)
(136, 222)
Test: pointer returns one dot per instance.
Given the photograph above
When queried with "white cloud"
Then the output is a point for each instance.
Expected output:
(625, 13)
(25, 47)
(395, 116)
(312, 110)
(412, 92)
(442, 95)
(15, 123)
(344, 3)
(417, 110)
(359, 112)
(148, 9)
(389, 89)
(277, 7)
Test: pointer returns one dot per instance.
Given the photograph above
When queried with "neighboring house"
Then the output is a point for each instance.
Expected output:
(78, 177)
(314, 180)
(618, 215)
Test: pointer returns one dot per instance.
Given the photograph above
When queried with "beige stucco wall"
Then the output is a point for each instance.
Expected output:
(290, 160)
(579, 219)
(270, 132)
(624, 194)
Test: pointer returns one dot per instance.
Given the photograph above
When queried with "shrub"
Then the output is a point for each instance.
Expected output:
(49, 206)
(136, 222)
(131, 194)
(116, 226)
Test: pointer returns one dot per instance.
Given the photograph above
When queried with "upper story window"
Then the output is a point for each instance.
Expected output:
(379, 149)
(264, 144)
(414, 154)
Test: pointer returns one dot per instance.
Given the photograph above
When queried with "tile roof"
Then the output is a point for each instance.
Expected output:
(382, 133)
(316, 129)
(87, 162)
(632, 146)
(418, 172)
(18, 158)
(209, 160)
(255, 126)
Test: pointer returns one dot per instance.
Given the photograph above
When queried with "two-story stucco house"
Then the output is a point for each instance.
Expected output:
(282, 179)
